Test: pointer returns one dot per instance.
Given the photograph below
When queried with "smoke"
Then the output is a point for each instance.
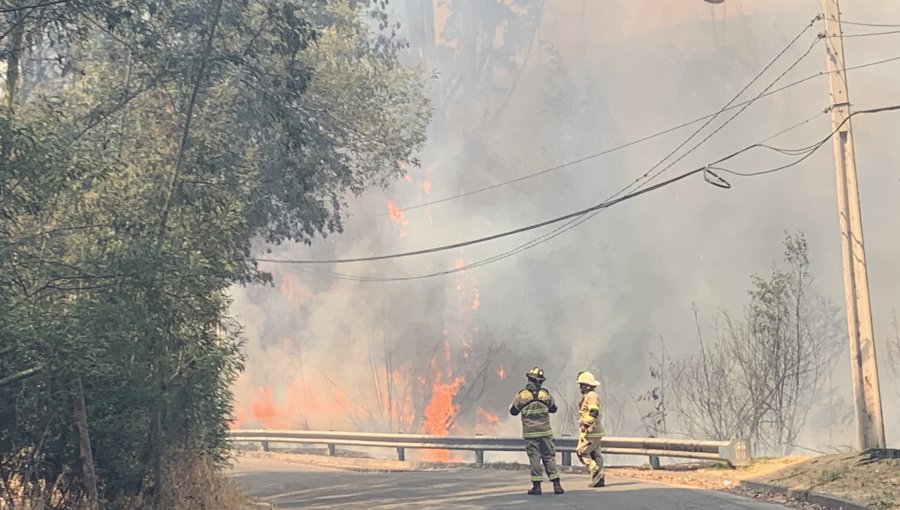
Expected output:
(556, 82)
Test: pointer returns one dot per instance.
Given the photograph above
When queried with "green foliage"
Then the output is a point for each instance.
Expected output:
(144, 146)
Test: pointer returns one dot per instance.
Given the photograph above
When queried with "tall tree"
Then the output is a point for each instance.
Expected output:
(145, 146)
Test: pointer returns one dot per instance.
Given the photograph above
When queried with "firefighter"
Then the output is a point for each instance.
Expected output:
(590, 430)
(535, 404)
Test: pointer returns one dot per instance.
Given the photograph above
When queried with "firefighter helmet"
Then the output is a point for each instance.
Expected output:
(588, 379)
(536, 374)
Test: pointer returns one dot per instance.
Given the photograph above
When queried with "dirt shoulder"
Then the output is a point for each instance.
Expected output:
(871, 479)
(705, 475)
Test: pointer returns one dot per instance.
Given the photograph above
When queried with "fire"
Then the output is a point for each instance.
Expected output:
(264, 409)
(501, 373)
(397, 217)
(238, 420)
(487, 419)
(298, 294)
(441, 411)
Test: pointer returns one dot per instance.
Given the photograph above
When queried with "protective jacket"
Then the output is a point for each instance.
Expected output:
(589, 415)
(535, 405)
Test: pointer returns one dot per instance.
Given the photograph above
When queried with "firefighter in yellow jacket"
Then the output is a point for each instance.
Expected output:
(535, 404)
(590, 429)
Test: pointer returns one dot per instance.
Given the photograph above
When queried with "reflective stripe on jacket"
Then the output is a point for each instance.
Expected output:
(535, 406)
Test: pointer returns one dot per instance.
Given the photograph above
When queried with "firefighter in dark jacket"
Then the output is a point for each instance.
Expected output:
(535, 405)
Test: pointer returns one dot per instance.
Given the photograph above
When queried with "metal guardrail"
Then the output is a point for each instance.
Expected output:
(735, 452)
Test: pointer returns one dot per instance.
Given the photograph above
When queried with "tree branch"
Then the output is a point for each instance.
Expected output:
(24, 374)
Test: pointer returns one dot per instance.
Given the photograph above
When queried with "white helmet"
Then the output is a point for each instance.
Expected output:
(588, 379)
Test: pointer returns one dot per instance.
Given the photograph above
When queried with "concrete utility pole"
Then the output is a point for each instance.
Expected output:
(864, 370)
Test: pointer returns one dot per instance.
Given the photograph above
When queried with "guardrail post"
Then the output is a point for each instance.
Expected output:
(737, 452)
(654, 462)
(265, 446)
(401, 453)
(479, 458)
(566, 458)
(332, 451)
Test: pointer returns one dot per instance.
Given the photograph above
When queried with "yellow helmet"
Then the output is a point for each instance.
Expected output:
(588, 379)
(536, 373)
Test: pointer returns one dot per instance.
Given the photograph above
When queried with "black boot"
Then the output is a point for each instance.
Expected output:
(557, 487)
(535, 490)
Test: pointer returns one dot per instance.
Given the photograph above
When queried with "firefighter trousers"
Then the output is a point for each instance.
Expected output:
(588, 451)
(542, 449)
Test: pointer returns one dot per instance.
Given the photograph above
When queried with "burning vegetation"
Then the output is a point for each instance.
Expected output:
(448, 380)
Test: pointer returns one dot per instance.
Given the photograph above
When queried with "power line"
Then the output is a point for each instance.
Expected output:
(462, 244)
(871, 34)
(622, 146)
(747, 105)
(809, 150)
(877, 25)
(577, 216)
(626, 145)
(602, 205)
(578, 221)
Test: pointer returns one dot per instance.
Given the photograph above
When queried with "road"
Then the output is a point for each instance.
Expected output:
(300, 486)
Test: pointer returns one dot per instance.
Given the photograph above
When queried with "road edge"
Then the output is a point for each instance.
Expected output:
(813, 498)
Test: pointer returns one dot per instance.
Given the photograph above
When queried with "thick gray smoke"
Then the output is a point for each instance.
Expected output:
(584, 77)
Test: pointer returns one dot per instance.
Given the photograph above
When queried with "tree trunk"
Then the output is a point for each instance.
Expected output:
(84, 445)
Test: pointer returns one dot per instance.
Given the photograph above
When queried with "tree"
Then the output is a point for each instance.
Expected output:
(654, 418)
(144, 148)
(761, 374)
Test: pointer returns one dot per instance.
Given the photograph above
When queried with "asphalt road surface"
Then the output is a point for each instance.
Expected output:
(300, 486)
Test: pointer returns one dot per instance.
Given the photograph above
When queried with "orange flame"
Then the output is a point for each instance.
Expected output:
(397, 217)
(487, 419)
(441, 412)
(264, 409)
(298, 294)
(501, 373)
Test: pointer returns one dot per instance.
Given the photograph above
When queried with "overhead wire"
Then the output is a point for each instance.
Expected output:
(870, 34)
(744, 108)
(809, 151)
(617, 148)
(709, 117)
(579, 220)
(876, 25)
(578, 217)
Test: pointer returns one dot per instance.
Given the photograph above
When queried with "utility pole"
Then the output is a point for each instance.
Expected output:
(864, 370)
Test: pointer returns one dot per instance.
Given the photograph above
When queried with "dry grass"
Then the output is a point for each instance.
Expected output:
(195, 484)
(342, 463)
(190, 484)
